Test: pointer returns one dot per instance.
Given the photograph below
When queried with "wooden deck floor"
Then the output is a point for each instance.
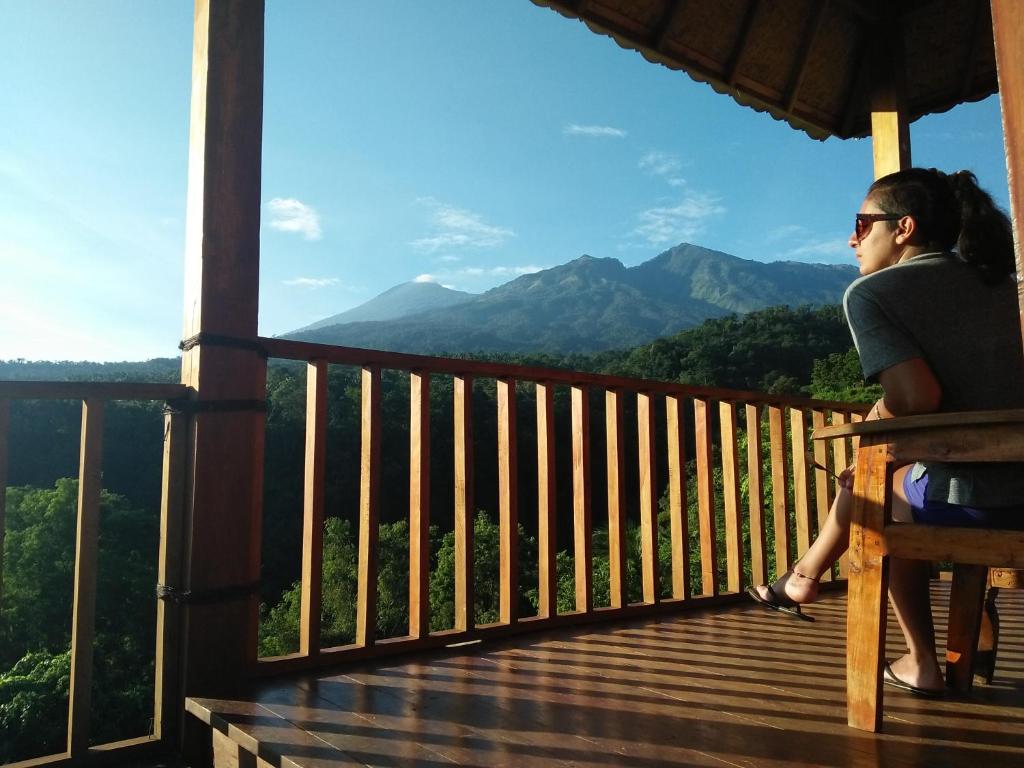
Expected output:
(728, 687)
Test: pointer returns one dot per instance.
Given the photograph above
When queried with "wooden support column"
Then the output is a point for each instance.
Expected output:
(890, 129)
(547, 504)
(1008, 31)
(225, 453)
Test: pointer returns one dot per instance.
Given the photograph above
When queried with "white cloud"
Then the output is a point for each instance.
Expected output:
(528, 269)
(290, 215)
(786, 231)
(450, 258)
(826, 250)
(459, 228)
(664, 165)
(311, 282)
(596, 131)
(674, 224)
(424, 278)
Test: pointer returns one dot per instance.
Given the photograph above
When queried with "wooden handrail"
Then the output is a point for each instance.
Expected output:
(94, 390)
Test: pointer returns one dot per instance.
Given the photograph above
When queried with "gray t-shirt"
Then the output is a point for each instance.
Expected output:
(938, 308)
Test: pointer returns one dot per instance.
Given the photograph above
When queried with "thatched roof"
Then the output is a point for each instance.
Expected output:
(807, 61)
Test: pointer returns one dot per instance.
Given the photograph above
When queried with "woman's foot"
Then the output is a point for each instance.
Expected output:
(917, 675)
(791, 588)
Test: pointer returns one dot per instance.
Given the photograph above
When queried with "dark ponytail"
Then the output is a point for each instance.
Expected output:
(951, 212)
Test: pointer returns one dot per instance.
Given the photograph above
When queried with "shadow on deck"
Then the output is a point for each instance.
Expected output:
(732, 686)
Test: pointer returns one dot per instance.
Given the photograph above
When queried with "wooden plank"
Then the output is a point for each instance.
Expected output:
(419, 504)
(83, 620)
(755, 492)
(840, 460)
(304, 350)
(313, 508)
(649, 571)
(969, 546)
(5, 426)
(221, 299)
(780, 498)
(581, 492)
(1008, 35)
(801, 492)
(807, 40)
(369, 508)
(869, 577)
(508, 504)
(678, 511)
(742, 39)
(731, 497)
(966, 601)
(463, 453)
(706, 498)
(547, 503)
(170, 573)
(86, 390)
(616, 502)
(890, 128)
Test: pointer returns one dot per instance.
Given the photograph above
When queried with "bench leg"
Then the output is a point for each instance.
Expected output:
(966, 598)
(988, 640)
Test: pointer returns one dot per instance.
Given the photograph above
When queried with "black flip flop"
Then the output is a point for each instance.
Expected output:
(889, 678)
(776, 603)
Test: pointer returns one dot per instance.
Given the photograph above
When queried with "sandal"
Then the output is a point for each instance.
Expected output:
(889, 678)
(782, 603)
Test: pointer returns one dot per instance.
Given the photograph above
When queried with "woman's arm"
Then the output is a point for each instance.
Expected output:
(910, 387)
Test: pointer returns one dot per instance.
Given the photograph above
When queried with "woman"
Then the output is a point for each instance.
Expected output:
(934, 317)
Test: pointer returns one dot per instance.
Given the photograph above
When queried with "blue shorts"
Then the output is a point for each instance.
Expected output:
(932, 512)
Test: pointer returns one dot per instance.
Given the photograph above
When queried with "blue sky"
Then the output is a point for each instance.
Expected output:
(455, 141)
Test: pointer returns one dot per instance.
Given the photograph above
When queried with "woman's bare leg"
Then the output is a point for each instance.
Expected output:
(801, 586)
(911, 601)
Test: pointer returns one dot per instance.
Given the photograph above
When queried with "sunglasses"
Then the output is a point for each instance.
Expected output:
(862, 224)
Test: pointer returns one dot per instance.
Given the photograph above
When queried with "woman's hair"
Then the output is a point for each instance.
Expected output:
(951, 212)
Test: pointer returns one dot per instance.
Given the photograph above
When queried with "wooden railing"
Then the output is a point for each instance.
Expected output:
(94, 398)
(716, 427)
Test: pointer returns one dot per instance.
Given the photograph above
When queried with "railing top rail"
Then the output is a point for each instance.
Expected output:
(81, 390)
(308, 351)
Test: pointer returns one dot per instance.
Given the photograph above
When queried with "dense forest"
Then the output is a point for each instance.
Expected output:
(780, 350)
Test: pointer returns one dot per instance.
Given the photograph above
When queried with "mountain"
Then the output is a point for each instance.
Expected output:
(404, 299)
(592, 304)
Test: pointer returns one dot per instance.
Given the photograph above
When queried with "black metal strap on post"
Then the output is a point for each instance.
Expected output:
(213, 406)
(227, 594)
(220, 340)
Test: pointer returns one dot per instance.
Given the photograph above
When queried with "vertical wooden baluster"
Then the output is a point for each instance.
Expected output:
(313, 508)
(841, 460)
(582, 525)
(547, 521)
(463, 451)
(648, 499)
(508, 503)
(823, 488)
(83, 621)
(369, 508)
(5, 425)
(706, 499)
(167, 683)
(780, 499)
(731, 497)
(755, 491)
(419, 504)
(856, 418)
(801, 493)
(678, 515)
(616, 506)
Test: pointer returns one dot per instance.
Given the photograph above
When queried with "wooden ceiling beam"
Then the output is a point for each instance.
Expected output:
(740, 49)
(796, 76)
(671, 11)
(981, 25)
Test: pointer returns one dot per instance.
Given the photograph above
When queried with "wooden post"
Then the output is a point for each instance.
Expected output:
(731, 497)
(313, 508)
(463, 449)
(755, 490)
(780, 499)
(616, 503)
(508, 504)
(678, 510)
(547, 519)
(1008, 32)
(369, 508)
(419, 504)
(650, 573)
(83, 621)
(890, 129)
(706, 498)
(221, 363)
(582, 528)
